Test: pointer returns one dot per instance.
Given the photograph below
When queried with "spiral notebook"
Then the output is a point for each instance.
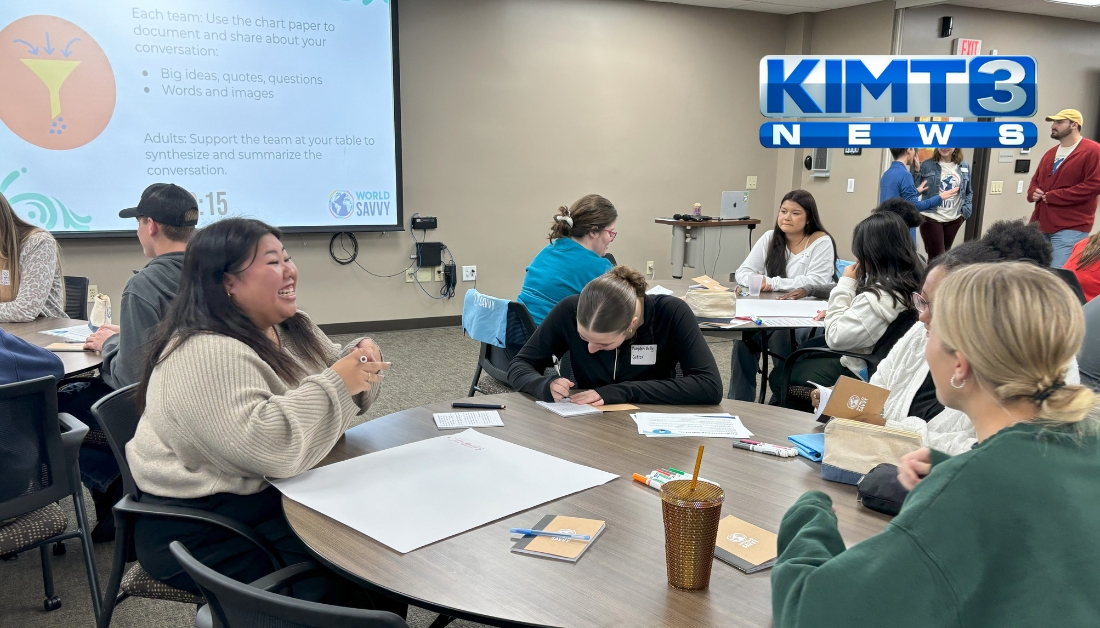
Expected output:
(568, 408)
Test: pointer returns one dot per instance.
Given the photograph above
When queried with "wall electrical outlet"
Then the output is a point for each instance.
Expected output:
(851, 185)
(1019, 187)
(996, 187)
(92, 291)
(469, 273)
(439, 273)
(750, 183)
(410, 275)
(424, 275)
(649, 268)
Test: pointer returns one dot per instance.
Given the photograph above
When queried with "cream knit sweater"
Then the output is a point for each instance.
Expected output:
(219, 420)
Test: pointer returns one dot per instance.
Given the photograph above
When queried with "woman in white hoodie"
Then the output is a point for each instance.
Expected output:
(870, 295)
(912, 404)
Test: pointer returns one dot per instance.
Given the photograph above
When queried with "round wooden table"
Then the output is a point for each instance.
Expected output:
(620, 580)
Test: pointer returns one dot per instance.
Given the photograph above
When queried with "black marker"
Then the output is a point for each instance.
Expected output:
(479, 406)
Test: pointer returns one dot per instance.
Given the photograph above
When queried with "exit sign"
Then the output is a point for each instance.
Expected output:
(968, 47)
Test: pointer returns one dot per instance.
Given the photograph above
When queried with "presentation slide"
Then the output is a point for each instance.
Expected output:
(281, 110)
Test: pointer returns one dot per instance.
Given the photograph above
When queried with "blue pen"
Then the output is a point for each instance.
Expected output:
(557, 535)
(757, 320)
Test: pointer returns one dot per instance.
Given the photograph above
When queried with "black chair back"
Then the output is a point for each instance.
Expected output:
(1071, 280)
(118, 417)
(32, 457)
(76, 297)
(894, 332)
(238, 605)
(519, 327)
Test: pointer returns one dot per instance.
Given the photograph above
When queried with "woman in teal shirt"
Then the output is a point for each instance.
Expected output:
(1001, 536)
(579, 239)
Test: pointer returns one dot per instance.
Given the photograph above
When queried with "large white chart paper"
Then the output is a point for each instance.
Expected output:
(416, 494)
(799, 308)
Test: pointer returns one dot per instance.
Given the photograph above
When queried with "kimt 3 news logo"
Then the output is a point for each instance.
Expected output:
(345, 204)
(898, 86)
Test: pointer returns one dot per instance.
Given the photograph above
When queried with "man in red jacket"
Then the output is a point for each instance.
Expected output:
(1065, 186)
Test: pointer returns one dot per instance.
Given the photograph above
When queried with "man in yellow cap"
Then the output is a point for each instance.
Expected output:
(1065, 186)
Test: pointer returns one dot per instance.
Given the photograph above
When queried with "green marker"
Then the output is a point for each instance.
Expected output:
(676, 471)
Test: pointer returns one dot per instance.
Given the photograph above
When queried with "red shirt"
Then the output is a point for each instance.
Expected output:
(1070, 192)
(1089, 278)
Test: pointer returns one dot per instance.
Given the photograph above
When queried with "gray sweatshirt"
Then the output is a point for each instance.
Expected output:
(144, 303)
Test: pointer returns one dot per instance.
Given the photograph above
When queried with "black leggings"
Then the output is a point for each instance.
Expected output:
(231, 555)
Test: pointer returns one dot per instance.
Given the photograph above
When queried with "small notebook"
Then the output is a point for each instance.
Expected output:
(453, 420)
(66, 346)
(560, 549)
(745, 546)
(567, 408)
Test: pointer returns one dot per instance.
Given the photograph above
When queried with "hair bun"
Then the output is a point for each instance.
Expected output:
(629, 275)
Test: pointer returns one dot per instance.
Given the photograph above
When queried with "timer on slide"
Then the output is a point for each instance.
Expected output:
(215, 202)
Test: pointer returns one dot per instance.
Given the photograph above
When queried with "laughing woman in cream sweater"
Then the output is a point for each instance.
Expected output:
(240, 386)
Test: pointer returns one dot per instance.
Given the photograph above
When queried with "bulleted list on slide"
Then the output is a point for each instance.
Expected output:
(278, 109)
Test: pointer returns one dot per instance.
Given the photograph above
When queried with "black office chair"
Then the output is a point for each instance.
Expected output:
(611, 258)
(495, 360)
(76, 297)
(234, 604)
(118, 416)
(39, 466)
(797, 397)
(1070, 278)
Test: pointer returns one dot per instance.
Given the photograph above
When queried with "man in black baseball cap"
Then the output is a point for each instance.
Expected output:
(166, 218)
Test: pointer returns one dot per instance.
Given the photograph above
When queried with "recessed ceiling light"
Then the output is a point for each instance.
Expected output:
(1079, 3)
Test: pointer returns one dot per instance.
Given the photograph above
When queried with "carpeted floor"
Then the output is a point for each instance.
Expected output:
(428, 366)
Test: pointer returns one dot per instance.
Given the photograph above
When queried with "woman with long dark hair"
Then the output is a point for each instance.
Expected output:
(30, 270)
(870, 295)
(797, 253)
(240, 386)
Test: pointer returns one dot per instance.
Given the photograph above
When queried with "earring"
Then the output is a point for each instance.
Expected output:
(953, 383)
(229, 294)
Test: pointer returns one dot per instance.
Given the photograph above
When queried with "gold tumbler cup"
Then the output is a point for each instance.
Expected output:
(691, 527)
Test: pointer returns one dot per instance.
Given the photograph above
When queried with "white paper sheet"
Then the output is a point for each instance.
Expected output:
(452, 420)
(76, 333)
(826, 393)
(780, 321)
(568, 408)
(658, 290)
(657, 424)
(798, 308)
(409, 496)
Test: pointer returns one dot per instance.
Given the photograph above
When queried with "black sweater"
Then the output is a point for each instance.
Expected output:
(667, 323)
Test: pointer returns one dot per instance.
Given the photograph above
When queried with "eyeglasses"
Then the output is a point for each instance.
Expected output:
(921, 304)
(613, 233)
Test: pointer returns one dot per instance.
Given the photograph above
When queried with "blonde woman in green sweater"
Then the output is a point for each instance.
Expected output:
(240, 386)
(1003, 535)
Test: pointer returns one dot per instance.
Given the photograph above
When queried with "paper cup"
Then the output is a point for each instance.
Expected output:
(755, 283)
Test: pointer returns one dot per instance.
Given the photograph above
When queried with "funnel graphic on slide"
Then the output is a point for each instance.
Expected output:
(53, 73)
(61, 83)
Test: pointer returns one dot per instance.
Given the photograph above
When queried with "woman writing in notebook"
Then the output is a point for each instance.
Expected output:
(797, 253)
(30, 270)
(240, 386)
(624, 346)
(1000, 535)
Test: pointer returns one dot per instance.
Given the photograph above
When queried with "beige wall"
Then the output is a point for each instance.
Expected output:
(513, 107)
(1068, 59)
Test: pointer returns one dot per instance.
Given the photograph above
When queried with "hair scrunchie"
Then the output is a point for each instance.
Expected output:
(565, 219)
(1044, 394)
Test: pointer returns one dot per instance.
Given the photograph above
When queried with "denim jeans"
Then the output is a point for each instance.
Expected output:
(1063, 243)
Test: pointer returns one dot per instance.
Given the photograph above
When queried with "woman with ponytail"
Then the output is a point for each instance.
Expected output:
(1001, 535)
(579, 237)
(623, 345)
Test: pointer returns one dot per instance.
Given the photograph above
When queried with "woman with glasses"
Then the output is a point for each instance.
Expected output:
(797, 253)
(912, 404)
(624, 346)
(579, 237)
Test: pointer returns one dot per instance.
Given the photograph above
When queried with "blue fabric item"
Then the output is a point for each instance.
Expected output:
(930, 172)
(810, 446)
(485, 318)
(841, 264)
(836, 474)
(21, 361)
(562, 268)
(897, 181)
(1063, 243)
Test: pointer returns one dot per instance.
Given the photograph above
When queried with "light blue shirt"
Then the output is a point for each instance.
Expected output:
(562, 268)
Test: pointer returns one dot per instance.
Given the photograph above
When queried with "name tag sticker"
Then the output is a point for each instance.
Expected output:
(5, 277)
(964, 169)
(643, 354)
